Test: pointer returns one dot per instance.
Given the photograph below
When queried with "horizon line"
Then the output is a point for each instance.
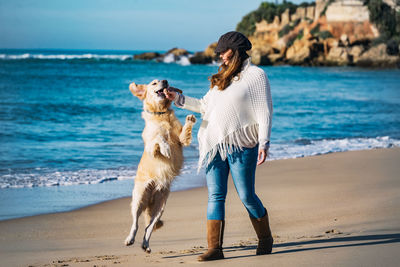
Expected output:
(100, 49)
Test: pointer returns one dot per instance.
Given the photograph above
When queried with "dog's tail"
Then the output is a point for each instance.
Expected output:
(147, 219)
(159, 224)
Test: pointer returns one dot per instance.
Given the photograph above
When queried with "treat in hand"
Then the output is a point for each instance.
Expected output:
(170, 92)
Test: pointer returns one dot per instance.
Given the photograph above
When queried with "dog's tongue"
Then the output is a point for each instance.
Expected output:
(160, 92)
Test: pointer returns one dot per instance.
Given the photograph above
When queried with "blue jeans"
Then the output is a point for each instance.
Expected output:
(242, 165)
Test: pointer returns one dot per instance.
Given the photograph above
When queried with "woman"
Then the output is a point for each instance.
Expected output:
(234, 136)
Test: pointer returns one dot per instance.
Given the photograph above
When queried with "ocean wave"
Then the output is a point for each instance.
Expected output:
(47, 177)
(189, 177)
(181, 60)
(305, 147)
(88, 56)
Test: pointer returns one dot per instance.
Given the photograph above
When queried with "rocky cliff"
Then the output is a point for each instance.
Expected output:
(330, 33)
(325, 33)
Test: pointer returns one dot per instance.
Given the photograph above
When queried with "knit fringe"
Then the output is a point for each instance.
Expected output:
(231, 143)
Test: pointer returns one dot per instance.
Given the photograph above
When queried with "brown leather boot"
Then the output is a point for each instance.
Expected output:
(215, 234)
(263, 231)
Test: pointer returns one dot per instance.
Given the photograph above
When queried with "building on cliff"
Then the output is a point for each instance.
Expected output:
(343, 10)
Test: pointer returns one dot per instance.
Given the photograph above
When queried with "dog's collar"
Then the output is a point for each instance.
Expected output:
(157, 113)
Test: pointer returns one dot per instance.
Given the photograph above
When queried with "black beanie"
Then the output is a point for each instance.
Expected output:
(233, 40)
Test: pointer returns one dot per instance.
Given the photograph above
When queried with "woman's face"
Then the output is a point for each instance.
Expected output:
(226, 56)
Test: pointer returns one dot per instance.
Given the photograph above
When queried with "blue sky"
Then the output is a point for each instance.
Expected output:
(119, 24)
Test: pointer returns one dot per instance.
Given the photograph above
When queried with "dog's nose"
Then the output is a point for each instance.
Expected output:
(164, 83)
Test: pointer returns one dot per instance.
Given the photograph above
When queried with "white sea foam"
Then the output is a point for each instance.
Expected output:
(306, 148)
(184, 61)
(181, 60)
(64, 56)
(46, 177)
(189, 177)
(169, 58)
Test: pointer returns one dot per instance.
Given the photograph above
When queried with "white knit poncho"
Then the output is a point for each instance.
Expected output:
(239, 116)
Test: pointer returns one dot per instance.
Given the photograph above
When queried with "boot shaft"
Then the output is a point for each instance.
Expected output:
(261, 226)
(215, 233)
(263, 231)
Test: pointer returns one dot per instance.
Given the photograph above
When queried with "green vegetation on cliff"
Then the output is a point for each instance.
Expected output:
(388, 22)
(266, 11)
(288, 27)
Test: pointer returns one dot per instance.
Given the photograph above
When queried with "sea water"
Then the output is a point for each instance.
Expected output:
(70, 130)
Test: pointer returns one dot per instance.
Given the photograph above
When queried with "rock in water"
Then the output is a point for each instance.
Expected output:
(200, 58)
(147, 56)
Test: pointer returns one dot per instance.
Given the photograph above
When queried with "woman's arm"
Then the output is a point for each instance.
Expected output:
(262, 153)
(186, 102)
(262, 102)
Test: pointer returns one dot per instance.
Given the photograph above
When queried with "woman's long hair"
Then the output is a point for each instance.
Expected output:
(225, 74)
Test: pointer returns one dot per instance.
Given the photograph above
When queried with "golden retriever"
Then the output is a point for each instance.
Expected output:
(162, 159)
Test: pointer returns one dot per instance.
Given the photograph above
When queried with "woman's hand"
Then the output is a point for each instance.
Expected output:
(170, 93)
(262, 154)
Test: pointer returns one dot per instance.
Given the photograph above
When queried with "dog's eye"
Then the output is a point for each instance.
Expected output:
(154, 83)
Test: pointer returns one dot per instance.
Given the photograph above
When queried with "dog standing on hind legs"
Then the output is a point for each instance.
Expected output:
(162, 159)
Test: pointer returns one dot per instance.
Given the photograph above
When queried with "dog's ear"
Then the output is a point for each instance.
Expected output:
(138, 90)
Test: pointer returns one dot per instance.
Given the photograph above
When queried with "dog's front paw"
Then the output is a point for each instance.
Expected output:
(165, 150)
(191, 119)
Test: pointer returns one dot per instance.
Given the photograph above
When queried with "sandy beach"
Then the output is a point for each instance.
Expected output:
(340, 209)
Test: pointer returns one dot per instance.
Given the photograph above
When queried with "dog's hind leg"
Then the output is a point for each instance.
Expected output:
(147, 218)
(137, 206)
(157, 209)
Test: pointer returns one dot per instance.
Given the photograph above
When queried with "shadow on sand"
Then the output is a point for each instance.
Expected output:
(348, 241)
